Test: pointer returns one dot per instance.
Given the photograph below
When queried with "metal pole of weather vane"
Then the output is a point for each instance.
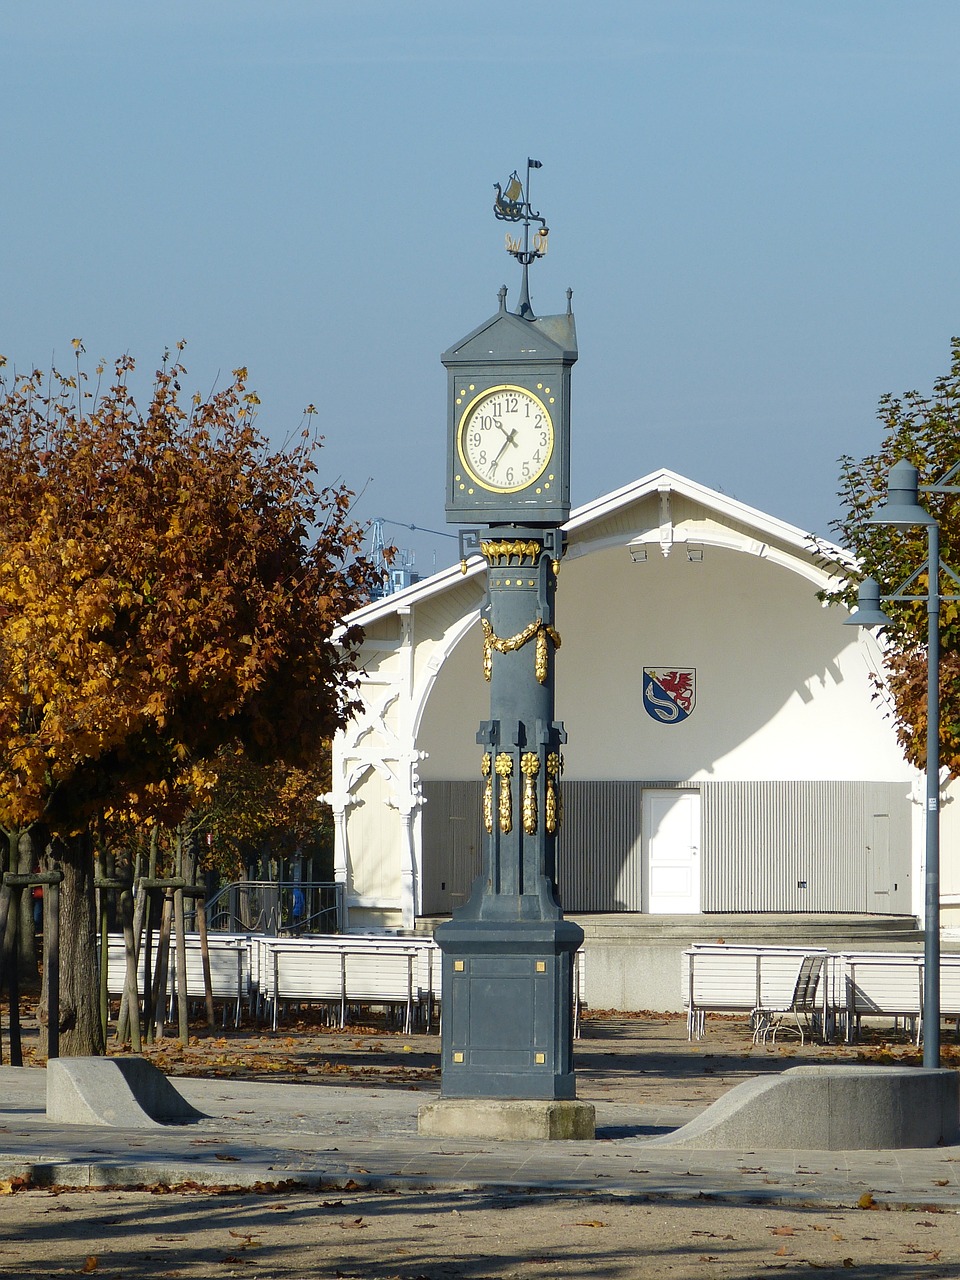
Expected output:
(509, 957)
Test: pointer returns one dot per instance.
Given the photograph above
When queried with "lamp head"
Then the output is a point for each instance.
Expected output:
(901, 506)
(868, 612)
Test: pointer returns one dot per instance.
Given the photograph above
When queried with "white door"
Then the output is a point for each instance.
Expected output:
(671, 839)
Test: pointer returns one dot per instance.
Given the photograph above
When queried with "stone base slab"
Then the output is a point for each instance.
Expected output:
(516, 1119)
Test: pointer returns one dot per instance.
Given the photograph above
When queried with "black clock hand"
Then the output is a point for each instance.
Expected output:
(510, 440)
(496, 460)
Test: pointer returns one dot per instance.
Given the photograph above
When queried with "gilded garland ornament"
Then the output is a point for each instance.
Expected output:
(486, 768)
(538, 629)
(530, 765)
(553, 816)
(504, 768)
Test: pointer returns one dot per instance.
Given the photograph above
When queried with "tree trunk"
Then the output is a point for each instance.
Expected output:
(81, 1034)
(26, 942)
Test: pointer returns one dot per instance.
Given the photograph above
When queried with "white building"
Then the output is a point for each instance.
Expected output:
(759, 777)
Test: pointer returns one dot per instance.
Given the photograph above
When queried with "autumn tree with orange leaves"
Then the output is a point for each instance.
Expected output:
(925, 430)
(168, 588)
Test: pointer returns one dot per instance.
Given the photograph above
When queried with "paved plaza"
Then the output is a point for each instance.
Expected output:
(342, 1145)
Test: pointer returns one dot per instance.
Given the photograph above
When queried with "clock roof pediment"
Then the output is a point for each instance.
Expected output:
(508, 337)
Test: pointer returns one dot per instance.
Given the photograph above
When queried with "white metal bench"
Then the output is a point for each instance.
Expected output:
(229, 957)
(875, 984)
(765, 983)
(348, 971)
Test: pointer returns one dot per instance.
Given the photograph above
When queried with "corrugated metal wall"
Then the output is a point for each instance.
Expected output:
(805, 846)
(766, 846)
(600, 853)
(452, 831)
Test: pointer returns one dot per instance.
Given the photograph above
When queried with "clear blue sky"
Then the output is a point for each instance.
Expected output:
(755, 202)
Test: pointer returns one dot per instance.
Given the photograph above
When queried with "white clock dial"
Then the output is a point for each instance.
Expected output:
(506, 438)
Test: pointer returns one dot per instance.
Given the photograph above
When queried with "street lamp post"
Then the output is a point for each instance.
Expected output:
(902, 510)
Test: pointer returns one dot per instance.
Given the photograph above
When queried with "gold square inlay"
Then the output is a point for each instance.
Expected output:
(540, 1059)
(458, 1057)
(541, 966)
(458, 966)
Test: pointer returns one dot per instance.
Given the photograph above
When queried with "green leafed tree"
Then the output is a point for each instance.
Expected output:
(925, 430)
(169, 586)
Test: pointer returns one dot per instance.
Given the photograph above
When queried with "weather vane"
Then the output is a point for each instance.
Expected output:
(513, 205)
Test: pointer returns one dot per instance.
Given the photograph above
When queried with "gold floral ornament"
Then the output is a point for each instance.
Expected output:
(504, 768)
(486, 769)
(554, 801)
(530, 765)
(538, 629)
(505, 552)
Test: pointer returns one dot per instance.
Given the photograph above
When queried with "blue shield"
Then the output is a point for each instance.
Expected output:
(669, 693)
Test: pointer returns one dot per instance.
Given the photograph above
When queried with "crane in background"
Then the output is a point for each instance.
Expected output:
(398, 572)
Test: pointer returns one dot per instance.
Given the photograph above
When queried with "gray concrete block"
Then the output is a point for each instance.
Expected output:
(516, 1119)
(127, 1093)
(836, 1108)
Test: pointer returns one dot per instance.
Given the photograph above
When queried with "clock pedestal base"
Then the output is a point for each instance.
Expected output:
(508, 1008)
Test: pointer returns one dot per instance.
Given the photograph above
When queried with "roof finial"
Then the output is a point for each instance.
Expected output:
(513, 205)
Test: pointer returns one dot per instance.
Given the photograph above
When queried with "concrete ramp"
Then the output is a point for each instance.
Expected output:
(127, 1093)
(830, 1109)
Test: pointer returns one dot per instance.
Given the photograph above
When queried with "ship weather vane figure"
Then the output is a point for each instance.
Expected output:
(513, 205)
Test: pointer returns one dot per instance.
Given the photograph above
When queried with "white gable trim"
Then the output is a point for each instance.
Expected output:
(758, 534)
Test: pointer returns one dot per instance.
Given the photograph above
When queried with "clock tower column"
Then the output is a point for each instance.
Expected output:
(508, 953)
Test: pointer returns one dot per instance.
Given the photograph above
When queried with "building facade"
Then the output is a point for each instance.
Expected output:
(728, 752)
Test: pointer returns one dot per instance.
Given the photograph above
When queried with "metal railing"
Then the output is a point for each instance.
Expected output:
(279, 908)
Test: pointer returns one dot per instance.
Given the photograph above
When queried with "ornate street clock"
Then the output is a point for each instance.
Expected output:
(508, 953)
(508, 404)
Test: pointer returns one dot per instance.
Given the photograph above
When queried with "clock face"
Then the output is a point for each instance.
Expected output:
(506, 438)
